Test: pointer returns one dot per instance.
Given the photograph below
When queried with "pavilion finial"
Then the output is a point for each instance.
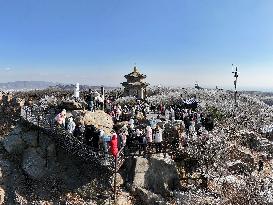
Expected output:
(135, 69)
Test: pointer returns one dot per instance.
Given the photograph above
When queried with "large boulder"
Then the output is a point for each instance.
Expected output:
(156, 174)
(33, 164)
(141, 168)
(72, 105)
(13, 143)
(99, 119)
(30, 138)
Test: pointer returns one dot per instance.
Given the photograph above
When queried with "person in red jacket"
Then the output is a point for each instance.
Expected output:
(114, 145)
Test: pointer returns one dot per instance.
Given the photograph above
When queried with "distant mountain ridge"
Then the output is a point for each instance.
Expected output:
(26, 85)
(40, 85)
(83, 87)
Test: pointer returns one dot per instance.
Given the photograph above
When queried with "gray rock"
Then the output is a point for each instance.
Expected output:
(51, 150)
(5, 170)
(33, 164)
(147, 197)
(242, 154)
(141, 167)
(14, 144)
(239, 167)
(157, 174)
(72, 105)
(17, 130)
(162, 175)
(30, 138)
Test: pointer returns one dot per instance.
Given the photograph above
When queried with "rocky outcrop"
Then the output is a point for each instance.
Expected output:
(99, 119)
(24, 144)
(30, 138)
(239, 167)
(153, 178)
(241, 153)
(33, 164)
(141, 168)
(147, 197)
(72, 105)
(13, 143)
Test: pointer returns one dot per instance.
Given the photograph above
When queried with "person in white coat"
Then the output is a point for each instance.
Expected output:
(131, 123)
(71, 125)
(158, 140)
(149, 136)
(118, 113)
(192, 132)
(172, 114)
(167, 114)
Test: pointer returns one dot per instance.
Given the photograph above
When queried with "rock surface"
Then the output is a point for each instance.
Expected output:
(30, 138)
(33, 164)
(72, 105)
(148, 197)
(2, 195)
(99, 119)
(157, 174)
(14, 144)
(238, 167)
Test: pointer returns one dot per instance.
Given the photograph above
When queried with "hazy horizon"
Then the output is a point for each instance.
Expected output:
(156, 85)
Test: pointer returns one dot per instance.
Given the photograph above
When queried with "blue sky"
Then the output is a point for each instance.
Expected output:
(174, 42)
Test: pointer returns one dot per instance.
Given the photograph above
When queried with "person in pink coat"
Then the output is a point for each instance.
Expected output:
(60, 118)
(114, 145)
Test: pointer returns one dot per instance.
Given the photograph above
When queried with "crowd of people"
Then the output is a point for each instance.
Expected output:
(139, 126)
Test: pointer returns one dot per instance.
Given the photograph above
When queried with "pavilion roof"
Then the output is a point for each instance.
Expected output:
(135, 84)
(135, 74)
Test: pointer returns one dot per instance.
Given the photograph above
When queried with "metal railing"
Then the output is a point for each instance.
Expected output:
(43, 121)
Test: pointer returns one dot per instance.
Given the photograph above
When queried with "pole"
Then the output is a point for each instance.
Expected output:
(38, 137)
(116, 171)
(102, 94)
(115, 179)
(235, 85)
(26, 114)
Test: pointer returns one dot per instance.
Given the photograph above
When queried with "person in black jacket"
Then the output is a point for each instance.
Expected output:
(209, 124)
(90, 101)
(79, 131)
